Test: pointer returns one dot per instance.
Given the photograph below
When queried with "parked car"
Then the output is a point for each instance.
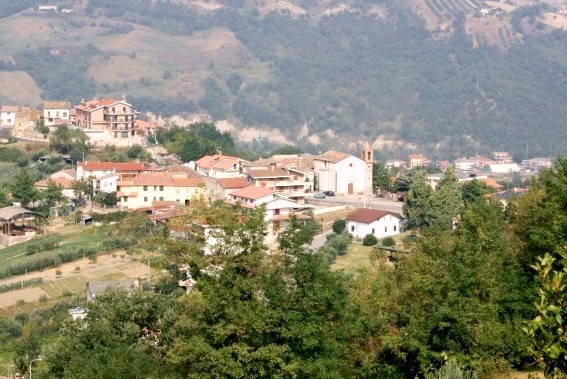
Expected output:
(319, 195)
(329, 193)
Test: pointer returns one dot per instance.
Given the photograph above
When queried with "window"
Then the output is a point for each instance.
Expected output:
(64, 114)
(155, 188)
(123, 109)
(373, 231)
(145, 188)
(145, 199)
(385, 229)
(196, 191)
(125, 199)
(161, 188)
(394, 228)
(352, 228)
(113, 110)
(161, 198)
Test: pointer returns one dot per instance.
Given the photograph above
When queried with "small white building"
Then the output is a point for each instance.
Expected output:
(501, 168)
(8, 114)
(56, 112)
(377, 222)
(219, 166)
(341, 173)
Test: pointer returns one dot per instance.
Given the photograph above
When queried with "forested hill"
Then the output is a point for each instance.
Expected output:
(436, 76)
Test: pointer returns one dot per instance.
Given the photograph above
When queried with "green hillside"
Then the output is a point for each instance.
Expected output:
(436, 75)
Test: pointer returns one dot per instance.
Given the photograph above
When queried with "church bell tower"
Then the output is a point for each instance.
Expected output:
(367, 155)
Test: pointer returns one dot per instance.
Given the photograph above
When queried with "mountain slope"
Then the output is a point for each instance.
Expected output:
(353, 69)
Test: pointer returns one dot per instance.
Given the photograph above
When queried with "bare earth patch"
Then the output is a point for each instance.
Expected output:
(19, 88)
(26, 294)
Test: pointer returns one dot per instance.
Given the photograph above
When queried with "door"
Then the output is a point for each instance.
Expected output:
(351, 188)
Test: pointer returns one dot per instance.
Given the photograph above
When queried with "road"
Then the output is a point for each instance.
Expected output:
(357, 201)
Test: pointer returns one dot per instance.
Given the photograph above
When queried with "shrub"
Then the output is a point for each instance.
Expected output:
(43, 298)
(22, 318)
(58, 272)
(339, 226)
(340, 243)
(118, 243)
(369, 240)
(388, 241)
(9, 329)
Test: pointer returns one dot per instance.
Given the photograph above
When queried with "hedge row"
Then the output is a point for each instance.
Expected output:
(43, 244)
(19, 285)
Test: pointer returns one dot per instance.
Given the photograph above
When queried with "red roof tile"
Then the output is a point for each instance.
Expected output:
(62, 182)
(252, 192)
(109, 166)
(229, 183)
(332, 156)
(369, 215)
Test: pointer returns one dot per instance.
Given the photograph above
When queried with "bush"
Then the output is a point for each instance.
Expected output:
(9, 329)
(339, 242)
(339, 226)
(22, 162)
(369, 240)
(118, 243)
(43, 244)
(388, 241)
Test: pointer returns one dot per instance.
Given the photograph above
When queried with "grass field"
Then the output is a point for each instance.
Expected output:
(357, 257)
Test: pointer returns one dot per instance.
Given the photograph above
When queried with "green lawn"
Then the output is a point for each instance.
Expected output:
(357, 257)
(74, 285)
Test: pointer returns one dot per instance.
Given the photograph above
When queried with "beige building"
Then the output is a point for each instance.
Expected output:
(56, 112)
(142, 190)
(416, 160)
(219, 166)
(115, 116)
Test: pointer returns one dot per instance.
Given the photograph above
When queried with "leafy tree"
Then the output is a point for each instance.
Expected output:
(22, 188)
(472, 190)
(417, 207)
(81, 188)
(445, 201)
(121, 337)
(41, 128)
(339, 226)
(50, 197)
(105, 198)
(547, 329)
(381, 177)
(69, 141)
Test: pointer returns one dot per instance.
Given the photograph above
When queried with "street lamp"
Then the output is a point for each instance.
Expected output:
(39, 358)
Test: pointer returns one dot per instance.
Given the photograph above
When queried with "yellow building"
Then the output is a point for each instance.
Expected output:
(140, 191)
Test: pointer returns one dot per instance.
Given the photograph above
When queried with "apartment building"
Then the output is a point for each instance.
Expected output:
(142, 190)
(117, 117)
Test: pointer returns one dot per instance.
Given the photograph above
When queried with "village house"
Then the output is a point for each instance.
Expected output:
(291, 182)
(340, 172)
(56, 112)
(502, 157)
(225, 186)
(65, 184)
(8, 114)
(279, 209)
(377, 222)
(434, 179)
(394, 163)
(501, 168)
(141, 190)
(116, 117)
(219, 166)
(98, 169)
(416, 160)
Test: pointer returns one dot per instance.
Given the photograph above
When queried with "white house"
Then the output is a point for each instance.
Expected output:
(279, 209)
(373, 221)
(8, 114)
(98, 169)
(341, 173)
(501, 168)
(219, 166)
(56, 112)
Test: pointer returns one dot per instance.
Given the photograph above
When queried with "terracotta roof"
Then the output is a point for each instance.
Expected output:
(10, 108)
(276, 172)
(221, 162)
(369, 215)
(332, 156)
(491, 183)
(144, 124)
(118, 166)
(304, 161)
(252, 193)
(229, 183)
(62, 182)
(94, 104)
(56, 105)
(161, 179)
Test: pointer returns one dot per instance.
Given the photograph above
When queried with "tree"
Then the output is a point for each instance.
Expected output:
(547, 329)
(70, 141)
(81, 188)
(50, 197)
(381, 178)
(339, 226)
(445, 201)
(22, 188)
(41, 128)
(418, 201)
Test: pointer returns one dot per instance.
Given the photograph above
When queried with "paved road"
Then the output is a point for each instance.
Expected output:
(319, 240)
(359, 202)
